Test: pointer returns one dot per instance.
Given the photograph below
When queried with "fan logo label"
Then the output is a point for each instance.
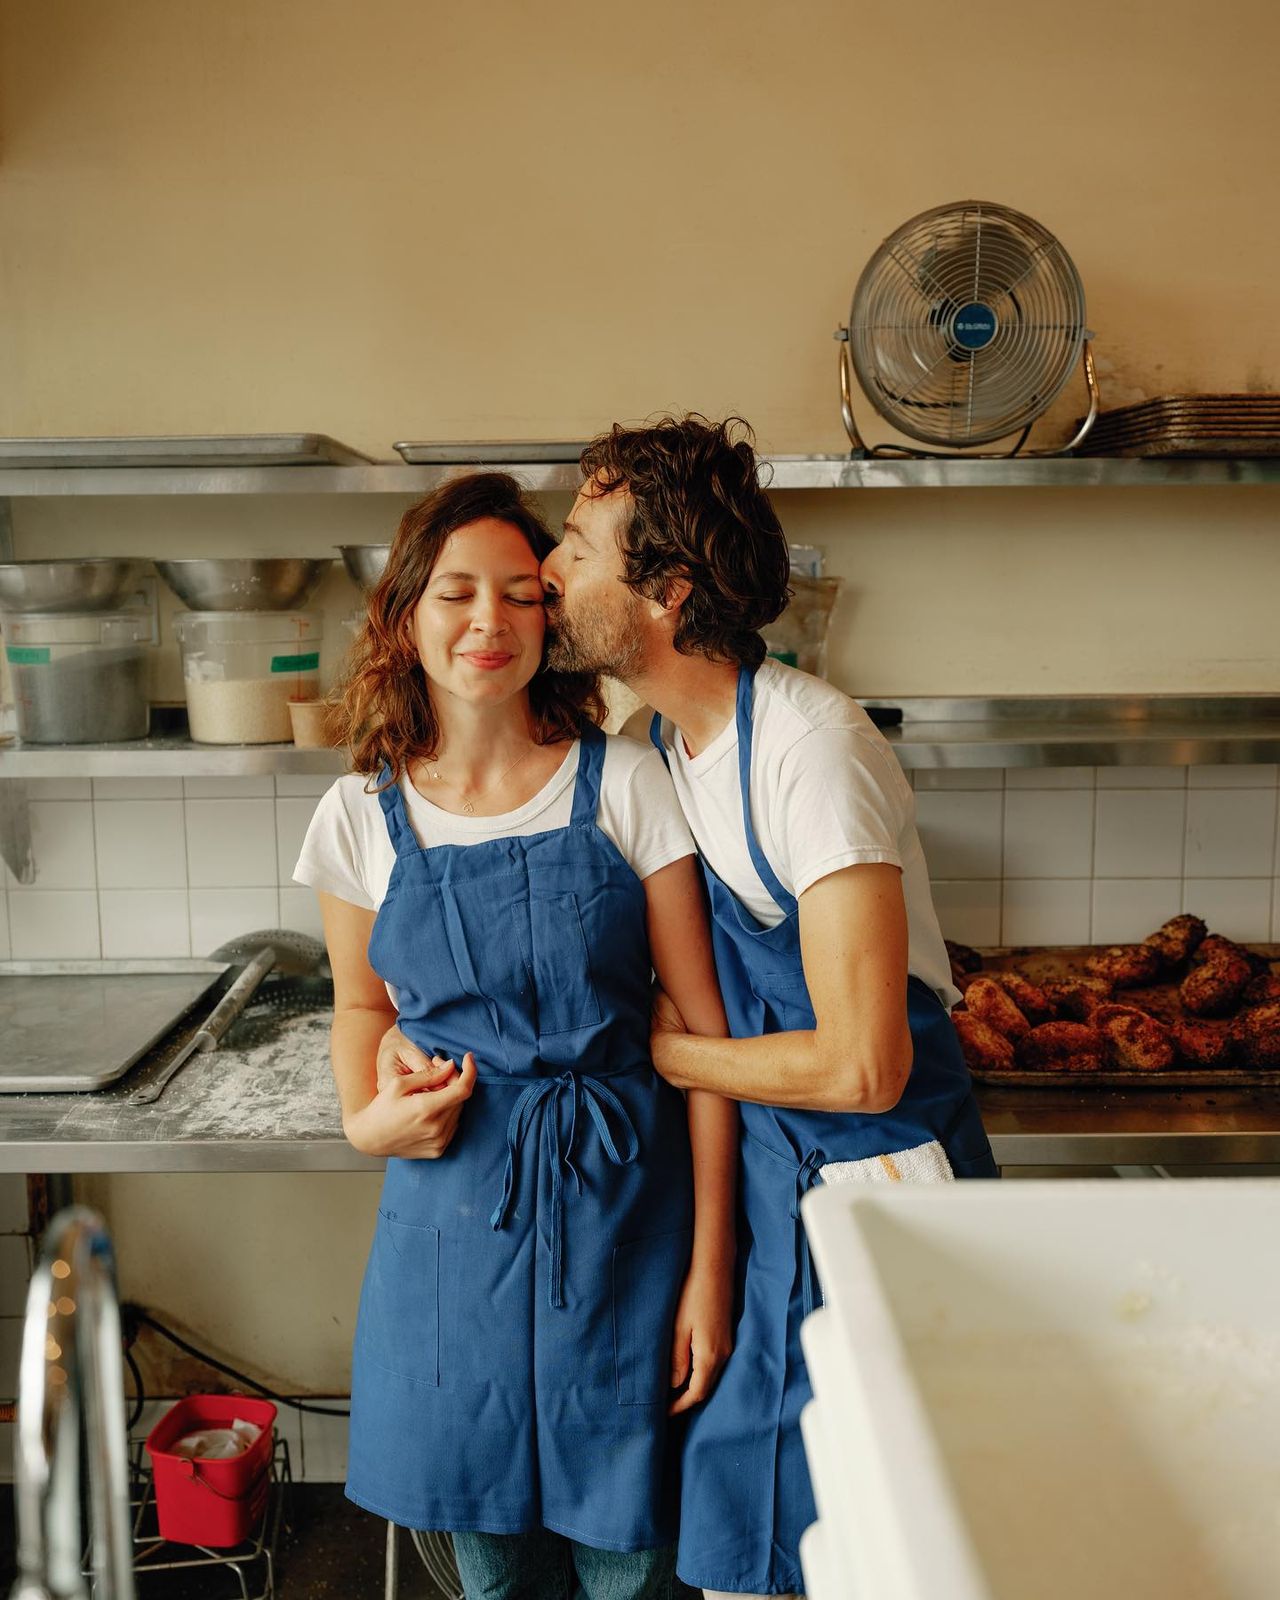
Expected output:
(974, 326)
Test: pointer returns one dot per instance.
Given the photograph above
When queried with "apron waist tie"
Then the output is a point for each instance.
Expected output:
(808, 1176)
(617, 1135)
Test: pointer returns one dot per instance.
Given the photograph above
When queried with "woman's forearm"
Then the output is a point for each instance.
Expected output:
(353, 1048)
(713, 1136)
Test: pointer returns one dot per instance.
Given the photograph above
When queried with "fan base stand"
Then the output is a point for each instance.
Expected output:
(861, 451)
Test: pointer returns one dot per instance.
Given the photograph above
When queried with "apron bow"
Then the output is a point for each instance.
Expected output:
(618, 1138)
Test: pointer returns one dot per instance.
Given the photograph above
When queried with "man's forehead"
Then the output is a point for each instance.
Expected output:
(609, 506)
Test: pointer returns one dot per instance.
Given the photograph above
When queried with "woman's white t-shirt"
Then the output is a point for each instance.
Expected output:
(826, 792)
(348, 852)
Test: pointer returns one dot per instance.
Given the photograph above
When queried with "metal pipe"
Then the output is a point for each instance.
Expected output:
(70, 1386)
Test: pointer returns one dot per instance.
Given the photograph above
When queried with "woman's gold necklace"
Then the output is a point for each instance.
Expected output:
(435, 774)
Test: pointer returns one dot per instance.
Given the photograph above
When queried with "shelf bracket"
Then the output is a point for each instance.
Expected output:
(15, 830)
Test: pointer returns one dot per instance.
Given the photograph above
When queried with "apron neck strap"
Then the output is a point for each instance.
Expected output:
(785, 902)
(586, 787)
(392, 803)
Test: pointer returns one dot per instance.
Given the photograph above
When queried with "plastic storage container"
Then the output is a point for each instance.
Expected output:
(241, 669)
(210, 1502)
(79, 679)
(1054, 1390)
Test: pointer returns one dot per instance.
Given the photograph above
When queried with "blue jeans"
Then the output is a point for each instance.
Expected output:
(547, 1566)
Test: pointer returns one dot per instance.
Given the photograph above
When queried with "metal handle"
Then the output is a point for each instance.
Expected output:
(235, 1000)
(210, 1032)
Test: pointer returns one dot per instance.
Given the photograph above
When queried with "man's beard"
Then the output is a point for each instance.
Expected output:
(597, 642)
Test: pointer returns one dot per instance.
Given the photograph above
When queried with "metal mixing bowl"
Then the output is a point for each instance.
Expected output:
(89, 583)
(245, 583)
(365, 562)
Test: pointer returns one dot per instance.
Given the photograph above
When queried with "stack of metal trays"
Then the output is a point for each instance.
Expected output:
(1190, 425)
(183, 450)
(489, 452)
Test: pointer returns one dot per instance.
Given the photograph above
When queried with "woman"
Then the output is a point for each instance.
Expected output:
(498, 877)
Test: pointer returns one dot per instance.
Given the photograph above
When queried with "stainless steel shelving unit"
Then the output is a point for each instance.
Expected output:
(785, 472)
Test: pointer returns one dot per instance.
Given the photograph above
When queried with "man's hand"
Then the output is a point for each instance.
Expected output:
(414, 1114)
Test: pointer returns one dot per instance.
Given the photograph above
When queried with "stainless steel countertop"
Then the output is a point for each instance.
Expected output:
(273, 1109)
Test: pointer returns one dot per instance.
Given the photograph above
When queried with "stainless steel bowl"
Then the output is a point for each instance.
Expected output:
(90, 583)
(365, 562)
(245, 583)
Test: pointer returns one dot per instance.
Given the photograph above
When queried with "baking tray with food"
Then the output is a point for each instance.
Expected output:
(1184, 1008)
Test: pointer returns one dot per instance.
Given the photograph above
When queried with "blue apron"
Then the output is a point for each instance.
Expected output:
(513, 1343)
(746, 1494)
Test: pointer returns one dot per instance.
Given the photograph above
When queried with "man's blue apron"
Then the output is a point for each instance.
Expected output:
(513, 1346)
(746, 1496)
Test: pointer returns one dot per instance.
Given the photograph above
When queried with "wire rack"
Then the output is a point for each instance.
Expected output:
(250, 1565)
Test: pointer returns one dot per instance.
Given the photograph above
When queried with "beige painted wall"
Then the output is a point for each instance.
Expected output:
(392, 219)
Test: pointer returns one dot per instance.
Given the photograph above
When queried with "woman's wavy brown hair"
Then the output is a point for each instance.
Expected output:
(383, 712)
(699, 514)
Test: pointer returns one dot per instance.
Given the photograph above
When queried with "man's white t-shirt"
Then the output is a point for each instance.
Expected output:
(348, 852)
(826, 793)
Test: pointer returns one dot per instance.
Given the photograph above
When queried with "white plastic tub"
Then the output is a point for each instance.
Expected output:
(1047, 1391)
(241, 669)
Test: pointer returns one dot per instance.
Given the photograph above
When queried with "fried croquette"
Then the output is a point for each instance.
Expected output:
(983, 1048)
(1177, 940)
(1076, 999)
(1135, 1041)
(1213, 988)
(990, 1004)
(1062, 1047)
(1124, 965)
(1217, 945)
(1261, 991)
(1029, 997)
(1254, 1035)
(1200, 1044)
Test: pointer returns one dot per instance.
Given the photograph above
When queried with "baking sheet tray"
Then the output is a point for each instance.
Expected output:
(182, 450)
(1041, 963)
(490, 452)
(76, 1025)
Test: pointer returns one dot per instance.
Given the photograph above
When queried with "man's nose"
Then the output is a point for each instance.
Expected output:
(549, 576)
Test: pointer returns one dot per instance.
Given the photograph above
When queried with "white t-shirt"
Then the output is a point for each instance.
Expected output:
(826, 793)
(348, 851)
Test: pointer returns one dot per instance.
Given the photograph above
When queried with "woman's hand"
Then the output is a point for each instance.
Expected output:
(398, 1055)
(703, 1333)
(665, 1022)
(414, 1114)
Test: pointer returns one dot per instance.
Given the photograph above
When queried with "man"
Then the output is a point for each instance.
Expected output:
(833, 970)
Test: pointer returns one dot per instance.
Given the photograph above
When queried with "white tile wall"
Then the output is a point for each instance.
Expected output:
(1056, 855)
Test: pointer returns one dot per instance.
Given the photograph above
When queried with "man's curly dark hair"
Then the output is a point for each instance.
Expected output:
(698, 513)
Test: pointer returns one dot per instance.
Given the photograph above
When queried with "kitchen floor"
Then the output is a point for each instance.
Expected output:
(329, 1548)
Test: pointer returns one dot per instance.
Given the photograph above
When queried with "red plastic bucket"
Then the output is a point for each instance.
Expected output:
(214, 1503)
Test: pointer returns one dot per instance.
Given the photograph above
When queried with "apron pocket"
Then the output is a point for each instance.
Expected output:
(647, 1276)
(561, 965)
(400, 1305)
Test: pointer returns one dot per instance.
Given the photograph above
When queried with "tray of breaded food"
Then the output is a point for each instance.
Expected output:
(1185, 1008)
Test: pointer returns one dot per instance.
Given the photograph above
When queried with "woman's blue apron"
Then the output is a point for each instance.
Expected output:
(746, 1497)
(513, 1344)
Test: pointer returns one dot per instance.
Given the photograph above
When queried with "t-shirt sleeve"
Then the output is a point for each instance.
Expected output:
(645, 821)
(331, 857)
(840, 802)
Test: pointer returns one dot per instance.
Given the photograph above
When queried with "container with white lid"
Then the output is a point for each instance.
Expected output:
(79, 678)
(240, 670)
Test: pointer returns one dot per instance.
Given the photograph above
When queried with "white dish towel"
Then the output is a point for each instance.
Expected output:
(923, 1163)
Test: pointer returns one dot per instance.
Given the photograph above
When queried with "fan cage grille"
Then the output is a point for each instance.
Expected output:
(902, 326)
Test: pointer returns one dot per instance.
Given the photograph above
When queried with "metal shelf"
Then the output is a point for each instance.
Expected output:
(786, 472)
(171, 756)
(1064, 731)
